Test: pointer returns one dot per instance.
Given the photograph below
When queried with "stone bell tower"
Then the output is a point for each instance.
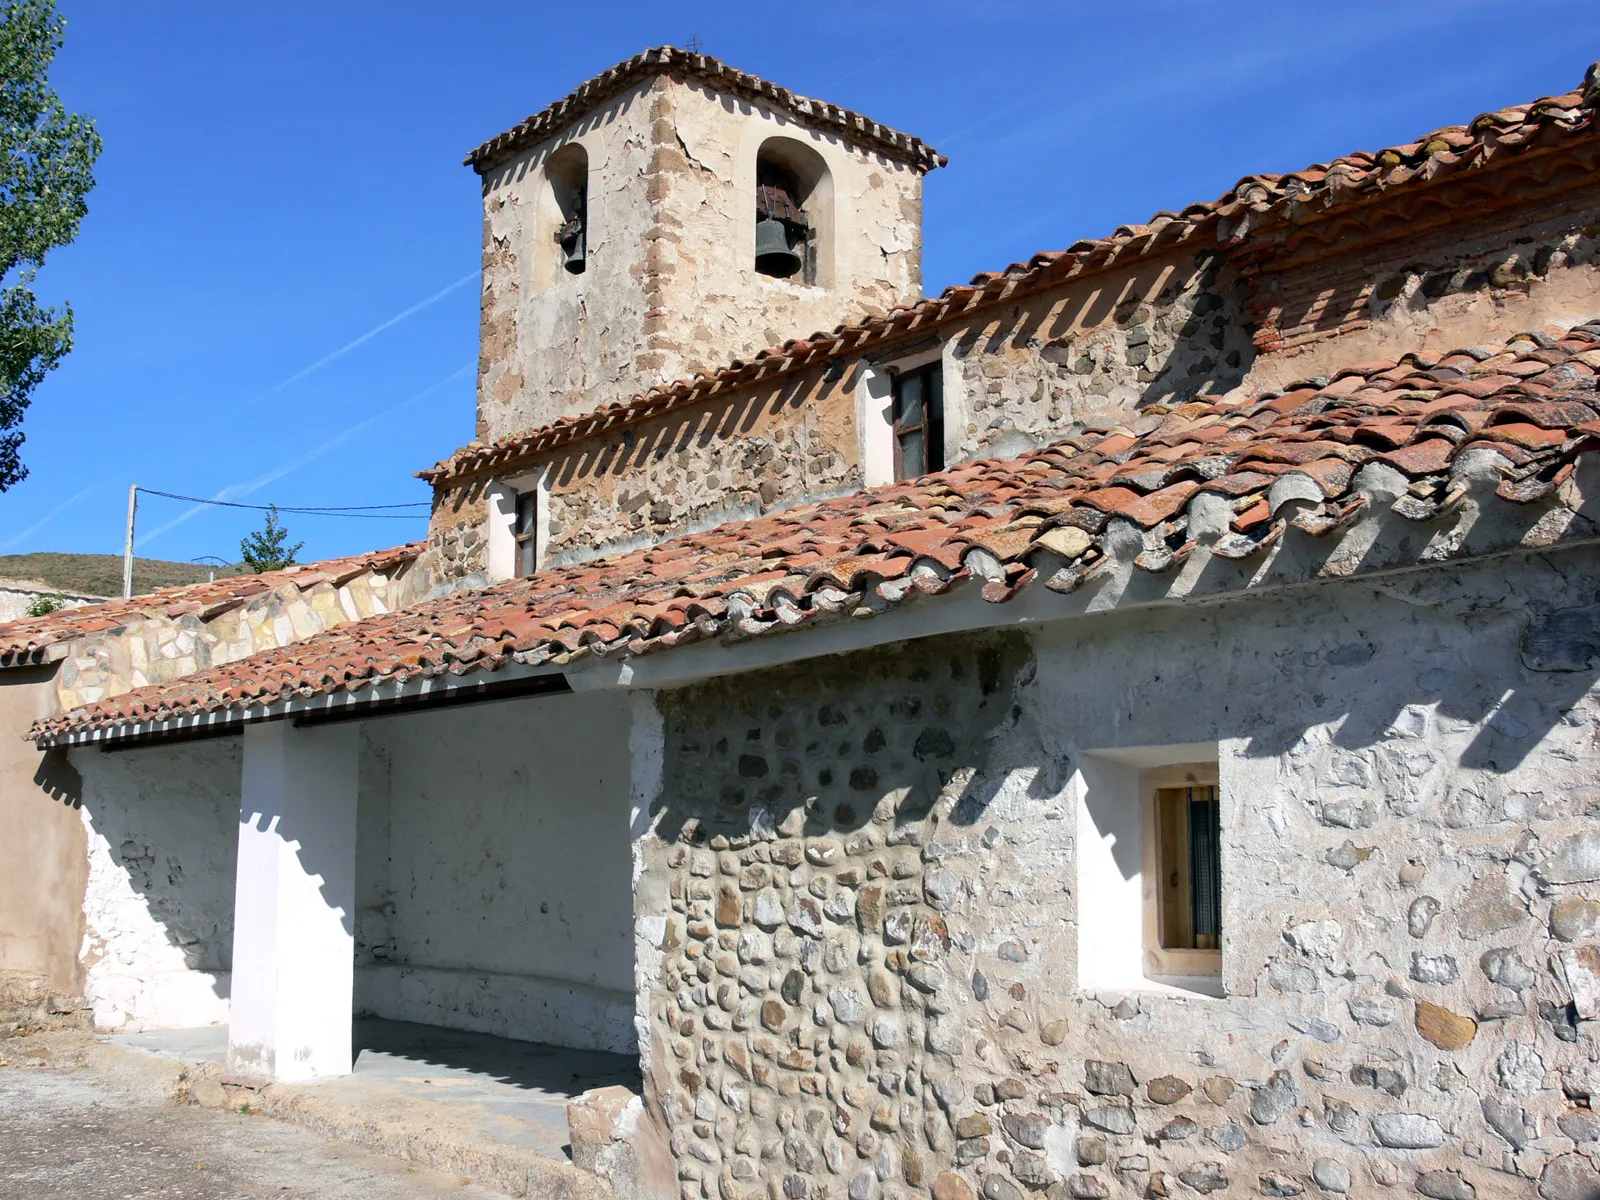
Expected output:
(674, 214)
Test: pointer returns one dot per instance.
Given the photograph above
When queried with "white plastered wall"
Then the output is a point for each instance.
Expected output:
(875, 409)
(1110, 860)
(162, 825)
(494, 869)
(501, 523)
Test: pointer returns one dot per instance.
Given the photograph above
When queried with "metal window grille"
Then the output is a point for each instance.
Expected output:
(1205, 861)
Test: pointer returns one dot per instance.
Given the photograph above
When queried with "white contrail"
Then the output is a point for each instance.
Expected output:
(53, 514)
(249, 486)
(365, 337)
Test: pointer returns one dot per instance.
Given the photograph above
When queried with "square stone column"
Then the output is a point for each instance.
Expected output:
(294, 902)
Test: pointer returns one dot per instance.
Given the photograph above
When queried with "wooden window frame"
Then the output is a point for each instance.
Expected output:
(525, 533)
(1159, 838)
(929, 421)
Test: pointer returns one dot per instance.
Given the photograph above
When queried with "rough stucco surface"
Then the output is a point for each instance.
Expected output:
(868, 981)
(162, 825)
(1460, 296)
(42, 860)
(493, 871)
(669, 287)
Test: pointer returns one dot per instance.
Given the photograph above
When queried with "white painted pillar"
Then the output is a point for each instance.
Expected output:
(294, 902)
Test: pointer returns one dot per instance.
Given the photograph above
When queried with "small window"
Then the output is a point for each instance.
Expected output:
(919, 422)
(526, 532)
(1183, 858)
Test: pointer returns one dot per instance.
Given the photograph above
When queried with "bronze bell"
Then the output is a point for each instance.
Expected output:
(574, 234)
(574, 245)
(775, 252)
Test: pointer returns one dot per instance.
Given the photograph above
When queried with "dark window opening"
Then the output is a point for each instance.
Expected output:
(783, 236)
(919, 422)
(525, 530)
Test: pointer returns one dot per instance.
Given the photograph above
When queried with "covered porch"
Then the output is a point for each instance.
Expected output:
(465, 867)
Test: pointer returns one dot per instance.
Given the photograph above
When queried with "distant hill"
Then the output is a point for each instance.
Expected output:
(101, 574)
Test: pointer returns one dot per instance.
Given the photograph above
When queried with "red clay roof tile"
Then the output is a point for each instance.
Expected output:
(923, 532)
(1253, 205)
(669, 60)
(29, 640)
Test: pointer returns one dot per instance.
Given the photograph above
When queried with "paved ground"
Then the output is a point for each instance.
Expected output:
(506, 1093)
(66, 1134)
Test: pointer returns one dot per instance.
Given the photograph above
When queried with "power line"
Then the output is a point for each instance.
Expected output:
(368, 512)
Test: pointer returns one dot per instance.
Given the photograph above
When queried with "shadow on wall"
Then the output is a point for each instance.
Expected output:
(829, 747)
(158, 908)
(57, 778)
(960, 723)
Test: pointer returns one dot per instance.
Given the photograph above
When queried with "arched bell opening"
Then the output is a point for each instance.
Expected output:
(568, 176)
(793, 212)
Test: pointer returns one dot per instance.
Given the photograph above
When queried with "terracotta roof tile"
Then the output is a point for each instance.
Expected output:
(669, 60)
(30, 640)
(1255, 203)
(998, 520)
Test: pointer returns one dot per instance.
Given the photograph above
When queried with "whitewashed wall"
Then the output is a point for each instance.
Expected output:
(162, 825)
(494, 881)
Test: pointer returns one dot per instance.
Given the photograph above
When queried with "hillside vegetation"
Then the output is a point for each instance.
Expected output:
(101, 574)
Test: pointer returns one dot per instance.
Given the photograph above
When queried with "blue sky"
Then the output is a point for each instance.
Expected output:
(274, 287)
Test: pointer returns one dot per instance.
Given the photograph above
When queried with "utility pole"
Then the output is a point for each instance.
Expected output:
(127, 547)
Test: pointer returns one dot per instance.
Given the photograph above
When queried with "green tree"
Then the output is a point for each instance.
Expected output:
(46, 169)
(264, 550)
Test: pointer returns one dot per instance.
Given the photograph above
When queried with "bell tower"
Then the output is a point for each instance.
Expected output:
(674, 214)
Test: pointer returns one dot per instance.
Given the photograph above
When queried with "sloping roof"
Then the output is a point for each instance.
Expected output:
(34, 640)
(1524, 411)
(682, 64)
(1253, 205)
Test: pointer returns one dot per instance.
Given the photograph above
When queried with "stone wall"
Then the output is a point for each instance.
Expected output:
(492, 871)
(757, 450)
(1097, 351)
(670, 286)
(1416, 279)
(862, 898)
(1093, 350)
(156, 648)
(157, 918)
(17, 596)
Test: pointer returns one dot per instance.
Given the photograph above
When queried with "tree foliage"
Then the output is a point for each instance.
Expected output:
(264, 550)
(46, 170)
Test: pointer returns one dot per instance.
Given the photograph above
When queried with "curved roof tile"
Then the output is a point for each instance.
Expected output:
(1047, 517)
(1254, 203)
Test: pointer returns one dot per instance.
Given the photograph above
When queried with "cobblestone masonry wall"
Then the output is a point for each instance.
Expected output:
(868, 977)
(1100, 351)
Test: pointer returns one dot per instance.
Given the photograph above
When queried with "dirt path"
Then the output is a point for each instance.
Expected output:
(67, 1134)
